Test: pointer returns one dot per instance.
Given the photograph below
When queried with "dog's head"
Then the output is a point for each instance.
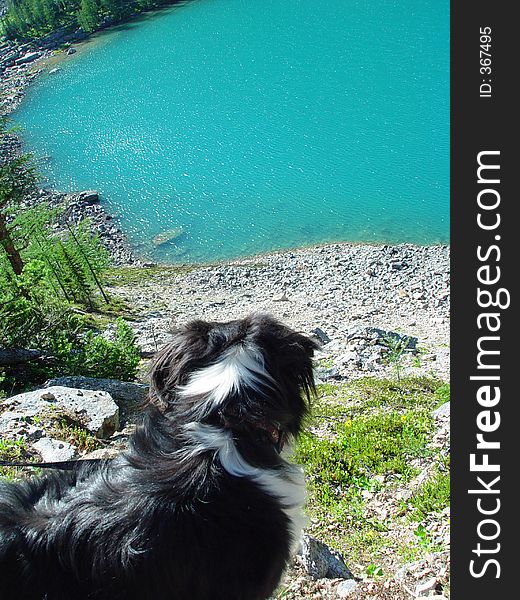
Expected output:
(250, 371)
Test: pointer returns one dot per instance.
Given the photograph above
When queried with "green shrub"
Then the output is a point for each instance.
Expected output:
(12, 451)
(433, 496)
(93, 355)
(364, 447)
(366, 437)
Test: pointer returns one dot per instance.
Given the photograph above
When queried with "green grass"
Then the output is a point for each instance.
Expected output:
(359, 436)
(12, 451)
(432, 496)
(126, 276)
(443, 394)
(366, 446)
(369, 394)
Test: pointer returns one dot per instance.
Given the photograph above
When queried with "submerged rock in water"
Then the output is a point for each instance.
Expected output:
(88, 197)
(165, 237)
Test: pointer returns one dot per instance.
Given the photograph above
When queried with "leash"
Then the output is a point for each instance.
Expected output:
(64, 465)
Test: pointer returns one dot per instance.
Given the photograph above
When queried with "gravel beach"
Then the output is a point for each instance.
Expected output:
(349, 296)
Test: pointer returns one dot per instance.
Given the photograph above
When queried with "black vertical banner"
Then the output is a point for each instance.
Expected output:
(485, 322)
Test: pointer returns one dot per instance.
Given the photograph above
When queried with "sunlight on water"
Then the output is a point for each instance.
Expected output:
(223, 128)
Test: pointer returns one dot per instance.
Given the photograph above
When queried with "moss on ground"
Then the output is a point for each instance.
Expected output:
(124, 276)
(365, 437)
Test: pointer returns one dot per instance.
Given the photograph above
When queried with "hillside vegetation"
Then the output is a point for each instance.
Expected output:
(25, 19)
(51, 274)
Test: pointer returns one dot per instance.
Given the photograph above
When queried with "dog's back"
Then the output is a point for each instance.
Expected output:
(24, 517)
(229, 542)
(202, 506)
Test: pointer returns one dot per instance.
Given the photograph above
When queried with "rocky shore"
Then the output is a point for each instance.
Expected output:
(352, 297)
(20, 64)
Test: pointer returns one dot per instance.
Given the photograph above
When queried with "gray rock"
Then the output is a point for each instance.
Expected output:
(280, 298)
(123, 392)
(52, 450)
(321, 335)
(95, 409)
(443, 410)
(88, 197)
(71, 50)
(326, 373)
(345, 588)
(320, 561)
(397, 265)
(102, 454)
(27, 58)
(425, 588)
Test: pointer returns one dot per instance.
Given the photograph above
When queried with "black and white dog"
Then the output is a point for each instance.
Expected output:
(201, 507)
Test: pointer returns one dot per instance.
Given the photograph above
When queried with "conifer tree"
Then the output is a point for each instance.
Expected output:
(17, 180)
(117, 8)
(89, 15)
(50, 12)
(35, 8)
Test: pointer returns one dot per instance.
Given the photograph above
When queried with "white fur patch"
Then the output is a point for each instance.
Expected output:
(239, 367)
(287, 485)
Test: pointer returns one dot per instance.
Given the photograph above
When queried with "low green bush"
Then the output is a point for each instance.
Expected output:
(94, 355)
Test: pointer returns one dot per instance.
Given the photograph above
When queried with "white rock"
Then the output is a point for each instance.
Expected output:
(345, 588)
(52, 450)
(96, 410)
(423, 589)
(443, 410)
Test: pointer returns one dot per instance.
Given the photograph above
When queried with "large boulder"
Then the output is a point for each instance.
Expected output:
(123, 392)
(94, 409)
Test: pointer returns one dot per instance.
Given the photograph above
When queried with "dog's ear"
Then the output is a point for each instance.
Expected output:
(171, 366)
(297, 360)
(287, 352)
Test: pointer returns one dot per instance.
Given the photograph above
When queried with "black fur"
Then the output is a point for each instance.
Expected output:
(150, 524)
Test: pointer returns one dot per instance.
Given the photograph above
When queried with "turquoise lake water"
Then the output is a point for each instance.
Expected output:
(249, 126)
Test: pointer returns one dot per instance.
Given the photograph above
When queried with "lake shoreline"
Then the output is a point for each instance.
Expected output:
(349, 292)
(20, 65)
(30, 60)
